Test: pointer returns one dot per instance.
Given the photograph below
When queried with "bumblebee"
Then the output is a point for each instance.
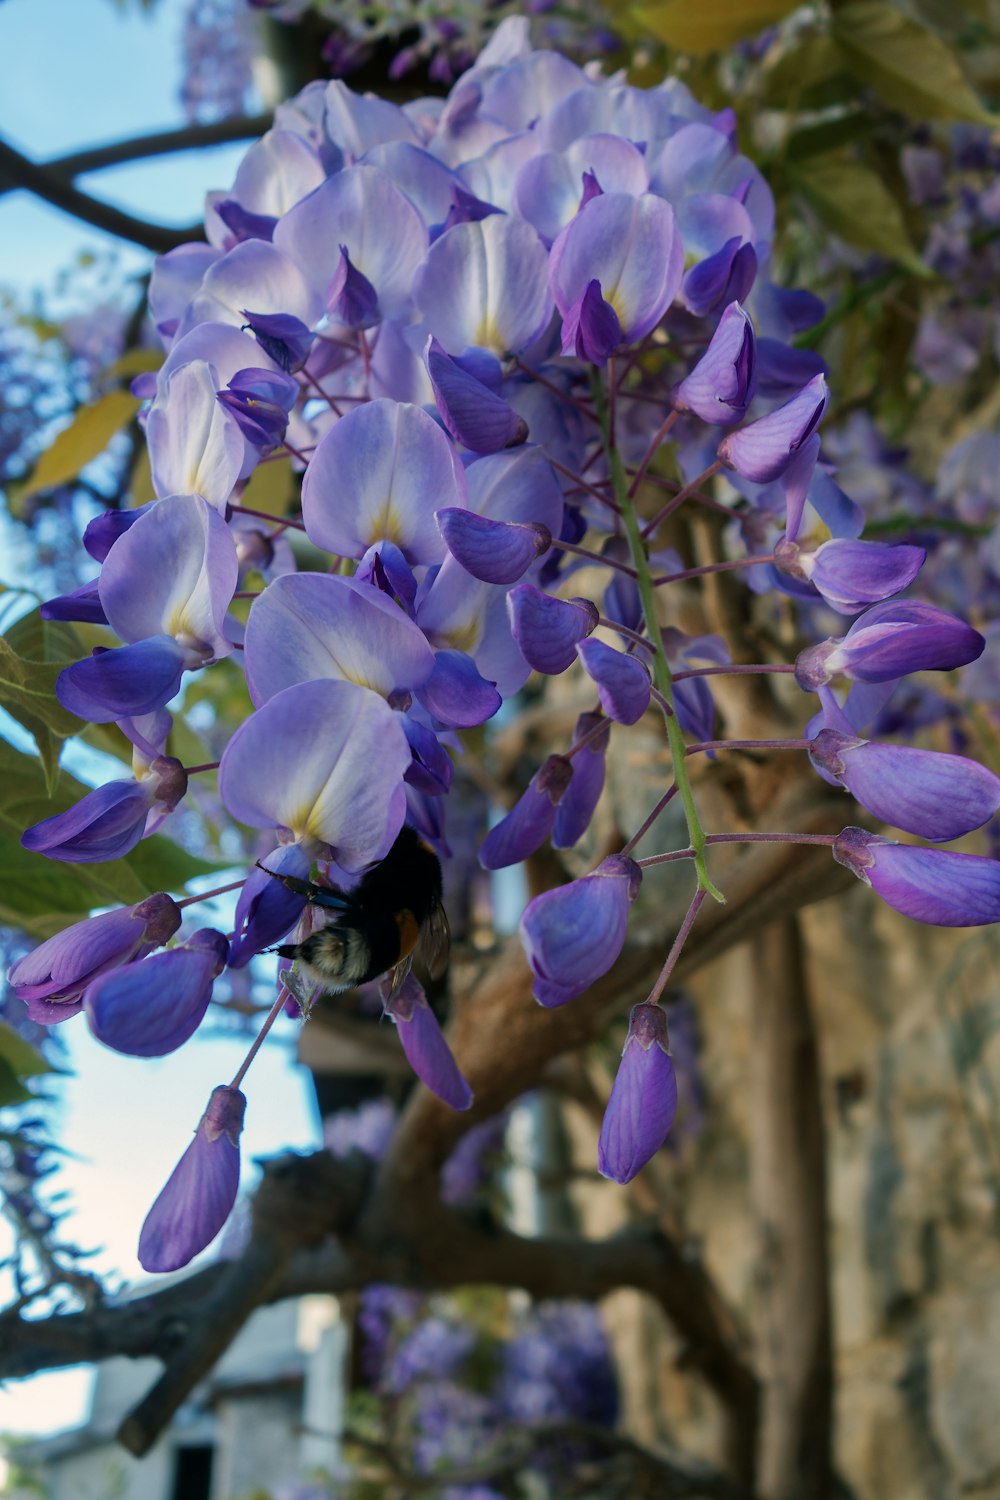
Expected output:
(391, 917)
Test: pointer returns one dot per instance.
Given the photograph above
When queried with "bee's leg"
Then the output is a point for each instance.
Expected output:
(317, 895)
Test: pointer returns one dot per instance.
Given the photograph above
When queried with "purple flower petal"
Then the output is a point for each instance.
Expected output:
(574, 934)
(335, 780)
(527, 825)
(199, 1195)
(721, 386)
(632, 247)
(590, 328)
(643, 1100)
(456, 693)
(105, 824)
(426, 1050)
(122, 682)
(379, 474)
(475, 416)
(850, 574)
(267, 910)
(150, 1008)
(547, 629)
(890, 641)
(493, 551)
(61, 968)
(930, 885)
(307, 626)
(581, 797)
(622, 681)
(937, 796)
(762, 451)
(484, 285)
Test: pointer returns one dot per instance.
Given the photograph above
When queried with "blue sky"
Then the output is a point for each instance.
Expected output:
(75, 73)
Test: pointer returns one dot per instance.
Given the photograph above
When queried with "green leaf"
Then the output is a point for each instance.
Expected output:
(853, 203)
(711, 25)
(20, 1056)
(41, 895)
(85, 439)
(32, 654)
(11, 1092)
(909, 67)
(136, 361)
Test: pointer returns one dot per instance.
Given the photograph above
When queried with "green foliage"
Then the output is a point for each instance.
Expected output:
(854, 203)
(32, 654)
(710, 25)
(42, 896)
(18, 1060)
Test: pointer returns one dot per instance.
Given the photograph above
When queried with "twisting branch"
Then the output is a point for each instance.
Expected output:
(59, 191)
(141, 147)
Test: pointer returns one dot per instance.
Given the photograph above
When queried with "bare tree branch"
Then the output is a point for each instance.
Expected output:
(57, 190)
(140, 147)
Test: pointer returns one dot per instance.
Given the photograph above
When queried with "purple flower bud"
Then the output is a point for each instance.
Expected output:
(426, 1050)
(591, 329)
(529, 822)
(283, 338)
(52, 979)
(930, 885)
(763, 450)
(643, 1100)
(150, 1008)
(574, 934)
(581, 797)
(721, 386)
(350, 297)
(622, 681)
(888, 642)
(937, 796)
(547, 629)
(110, 821)
(122, 681)
(260, 401)
(591, 189)
(476, 416)
(199, 1196)
(850, 574)
(725, 277)
(493, 551)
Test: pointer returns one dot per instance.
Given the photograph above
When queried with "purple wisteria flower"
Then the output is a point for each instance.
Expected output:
(426, 1050)
(530, 820)
(643, 1100)
(150, 1008)
(890, 641)
(573, 935)
(930, 885)
(937, 796)
(51, 979)
(109, 822)
(199, 1195)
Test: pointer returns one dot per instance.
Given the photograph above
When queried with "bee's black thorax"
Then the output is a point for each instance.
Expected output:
(408, 879)
(387, 908)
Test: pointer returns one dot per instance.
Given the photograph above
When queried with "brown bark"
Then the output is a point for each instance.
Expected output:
(788, 1180)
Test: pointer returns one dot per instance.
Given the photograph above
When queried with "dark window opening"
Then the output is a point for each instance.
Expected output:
(192, 1472)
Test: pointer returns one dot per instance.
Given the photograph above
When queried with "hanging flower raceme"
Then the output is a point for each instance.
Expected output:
(470, 329)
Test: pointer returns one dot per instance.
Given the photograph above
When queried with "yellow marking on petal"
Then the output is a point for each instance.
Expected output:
(488, 336)
(460, 637)
(387, 525)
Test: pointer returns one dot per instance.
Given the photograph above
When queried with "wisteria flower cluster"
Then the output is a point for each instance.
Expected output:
(471, 324)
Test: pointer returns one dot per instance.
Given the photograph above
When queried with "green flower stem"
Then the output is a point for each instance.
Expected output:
(662, 676)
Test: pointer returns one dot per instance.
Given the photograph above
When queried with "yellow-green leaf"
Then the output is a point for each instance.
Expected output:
(271, 488)
(853, 202)
(910, 68)
(136, 362)
(711, 25)
(85, 439)
(23, 1059)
